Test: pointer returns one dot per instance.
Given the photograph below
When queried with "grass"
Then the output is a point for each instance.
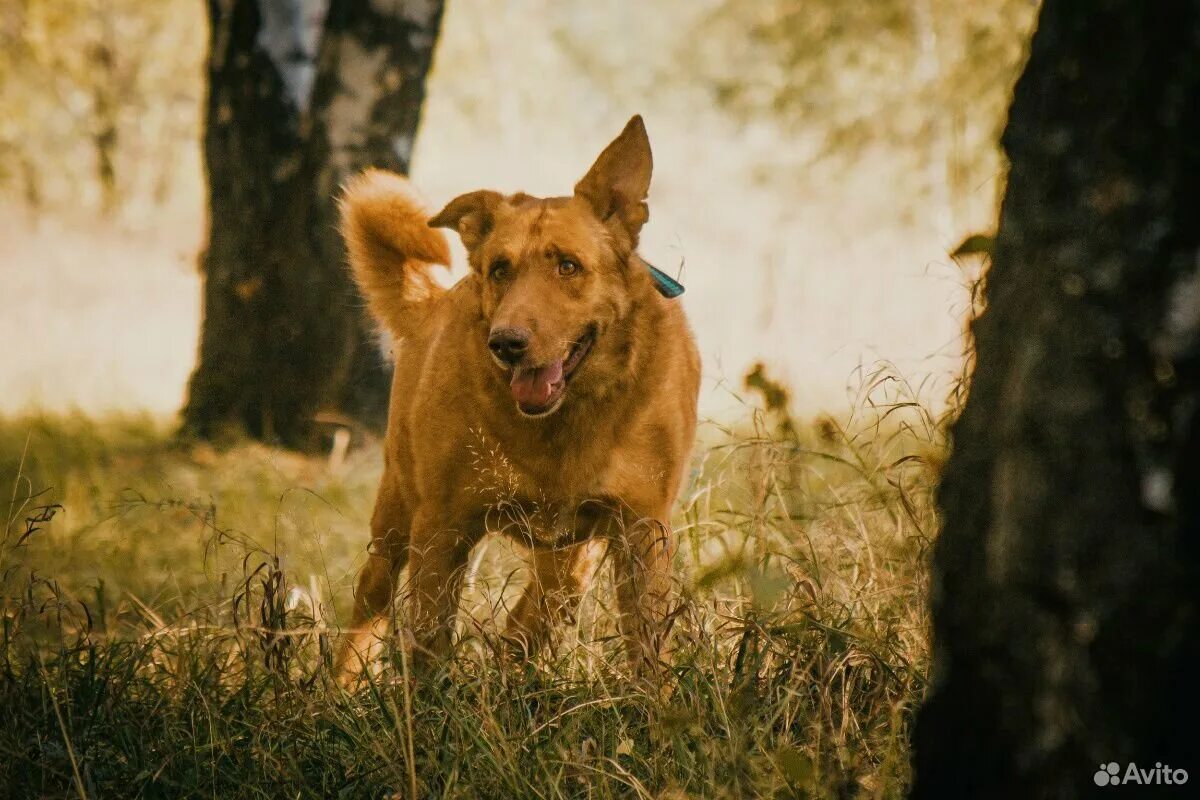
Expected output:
(169, 610)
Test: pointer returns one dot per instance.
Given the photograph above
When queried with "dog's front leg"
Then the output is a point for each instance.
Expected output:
(559, 579)
(376, 589)
(437, 563)
(642, 552)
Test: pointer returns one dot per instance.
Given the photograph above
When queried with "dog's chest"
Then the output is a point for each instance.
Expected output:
(547, 499)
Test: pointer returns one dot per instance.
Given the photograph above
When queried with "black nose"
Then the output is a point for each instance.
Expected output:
(509, 344)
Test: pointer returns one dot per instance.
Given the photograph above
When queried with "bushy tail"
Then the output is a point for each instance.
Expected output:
(392, 248)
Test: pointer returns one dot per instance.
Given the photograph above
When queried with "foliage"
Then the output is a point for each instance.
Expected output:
(928, 80)
(98, 96)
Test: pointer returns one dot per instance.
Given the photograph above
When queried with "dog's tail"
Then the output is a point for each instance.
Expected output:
(392, 248)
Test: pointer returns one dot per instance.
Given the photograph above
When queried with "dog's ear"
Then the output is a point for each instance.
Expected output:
(616, 185)
(471, 214)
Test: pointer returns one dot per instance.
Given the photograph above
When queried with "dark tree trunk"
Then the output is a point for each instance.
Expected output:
(300, 97)
(1065, 627)
(104, 120)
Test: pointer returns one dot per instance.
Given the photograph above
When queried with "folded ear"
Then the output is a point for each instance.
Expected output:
(471, 214)
(616, 185)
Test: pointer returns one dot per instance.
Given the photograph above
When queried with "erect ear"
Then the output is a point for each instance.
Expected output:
(616, 185)
(471, 214)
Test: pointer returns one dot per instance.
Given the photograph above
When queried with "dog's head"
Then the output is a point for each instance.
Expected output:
(555, 272)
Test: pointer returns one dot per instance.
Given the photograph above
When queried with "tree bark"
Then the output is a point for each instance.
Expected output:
(301, 95)
(1065, 625)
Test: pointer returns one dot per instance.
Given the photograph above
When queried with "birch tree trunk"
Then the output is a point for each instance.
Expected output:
(1065, 620)
(301, 94)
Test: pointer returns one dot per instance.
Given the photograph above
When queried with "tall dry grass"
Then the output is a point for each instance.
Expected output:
(169, 611)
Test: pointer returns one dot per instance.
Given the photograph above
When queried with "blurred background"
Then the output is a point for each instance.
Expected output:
(191, 396)
(815, 163)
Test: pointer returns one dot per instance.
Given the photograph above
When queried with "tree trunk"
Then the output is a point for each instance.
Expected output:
(1065, 627)
(300, 97)
(104, 130)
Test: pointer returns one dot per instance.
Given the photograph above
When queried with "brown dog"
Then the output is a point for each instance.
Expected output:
(550, 394)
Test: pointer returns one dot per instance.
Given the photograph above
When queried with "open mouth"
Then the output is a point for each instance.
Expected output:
(540, 390)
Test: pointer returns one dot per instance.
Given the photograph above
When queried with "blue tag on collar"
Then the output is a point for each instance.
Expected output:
(667, 286)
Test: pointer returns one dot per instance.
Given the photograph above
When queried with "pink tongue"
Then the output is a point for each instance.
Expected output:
(533, 387)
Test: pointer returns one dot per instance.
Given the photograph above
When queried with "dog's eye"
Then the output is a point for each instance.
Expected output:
(499, 269)
(568, 267)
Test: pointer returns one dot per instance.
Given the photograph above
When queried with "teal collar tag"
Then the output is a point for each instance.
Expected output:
(667, 286)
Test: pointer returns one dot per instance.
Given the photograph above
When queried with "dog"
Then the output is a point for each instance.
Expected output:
(551, 394)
